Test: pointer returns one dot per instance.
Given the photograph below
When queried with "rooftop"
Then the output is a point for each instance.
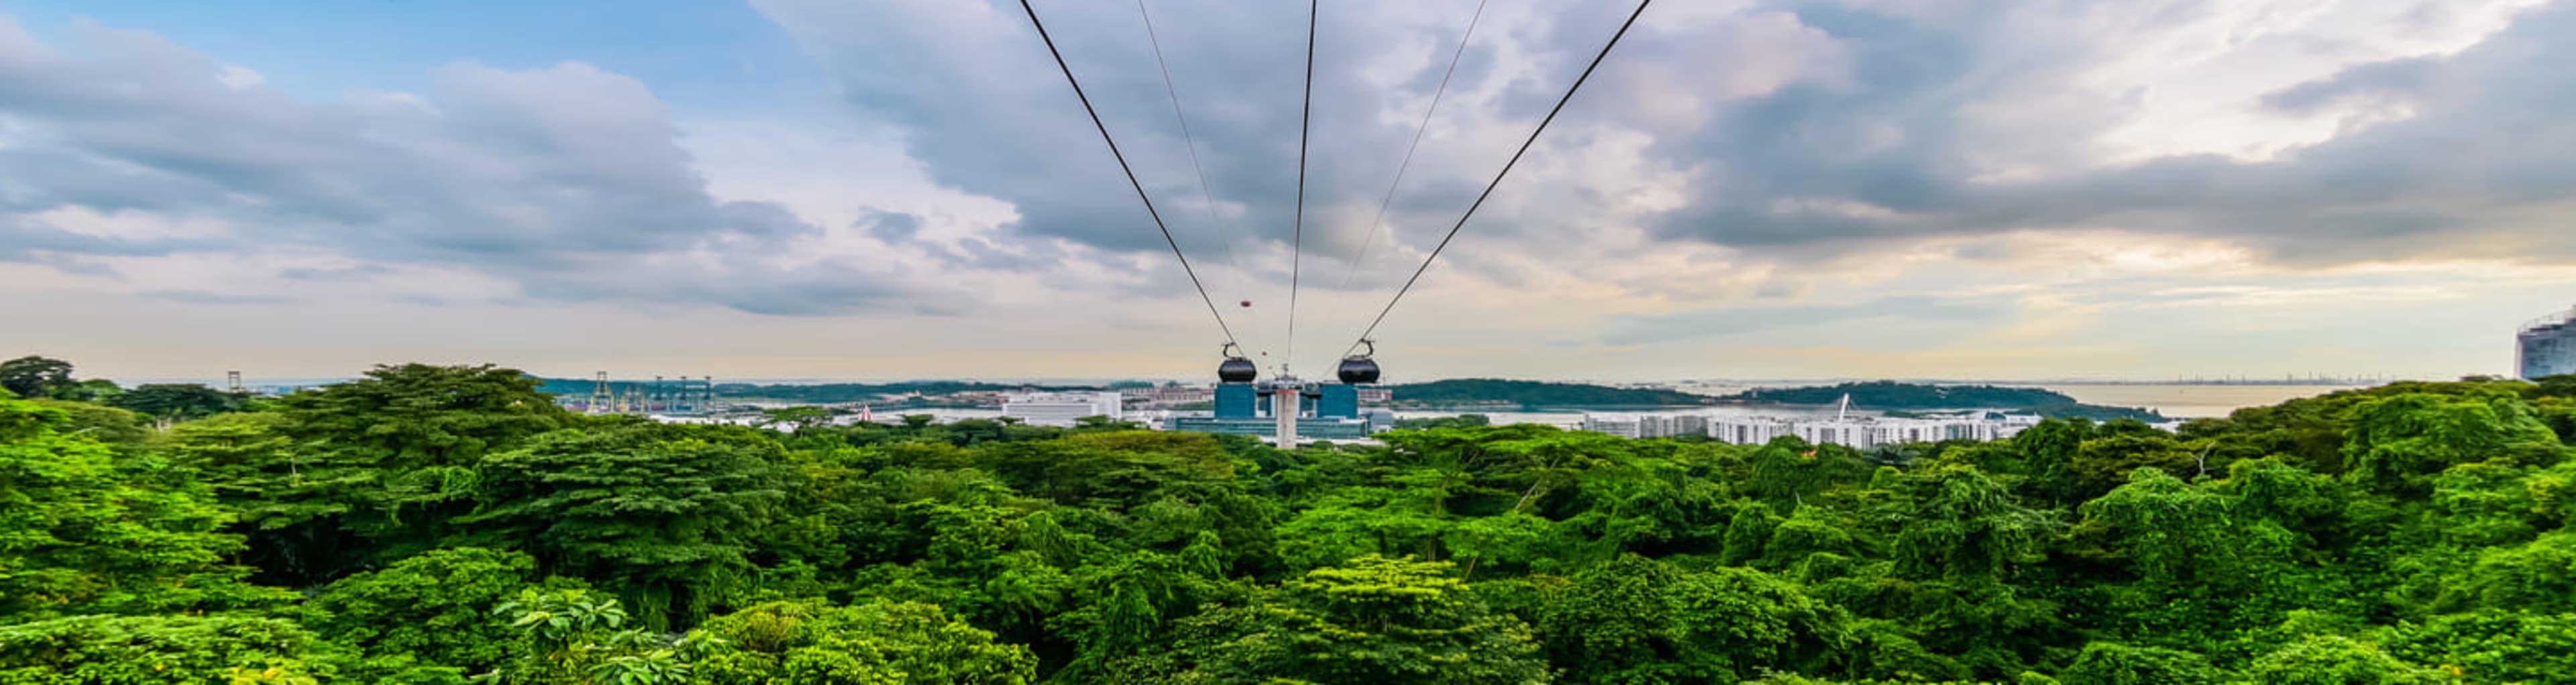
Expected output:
(2553, 320)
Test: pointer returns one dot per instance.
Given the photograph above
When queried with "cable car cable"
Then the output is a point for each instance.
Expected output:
(1507, 170)
(1206, 190)
(1378, 223)
(1131, 172)
(1407, 163)
(1305, 121)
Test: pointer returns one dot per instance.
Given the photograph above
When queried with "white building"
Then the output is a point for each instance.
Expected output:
(1173, 394)
(1622, 425)
(1854, 433)
(1866, 432)
(1860, 432)
(1748, 430)
(1647, 425)
(1061, 408)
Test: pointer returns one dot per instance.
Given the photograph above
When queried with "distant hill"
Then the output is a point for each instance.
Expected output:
(1894, 396)
(1462, 391)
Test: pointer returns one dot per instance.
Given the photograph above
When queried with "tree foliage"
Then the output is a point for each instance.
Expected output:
(444, 524)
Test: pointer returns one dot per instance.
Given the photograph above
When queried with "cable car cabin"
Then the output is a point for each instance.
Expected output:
(1358, 370)
(1236, 370)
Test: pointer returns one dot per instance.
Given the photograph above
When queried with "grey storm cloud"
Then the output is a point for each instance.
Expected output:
(565, 180)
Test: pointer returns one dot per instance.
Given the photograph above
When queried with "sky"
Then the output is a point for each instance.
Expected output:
(888, 189)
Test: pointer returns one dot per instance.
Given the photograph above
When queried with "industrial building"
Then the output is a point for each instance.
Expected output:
(2546, 346)
(1061, 409)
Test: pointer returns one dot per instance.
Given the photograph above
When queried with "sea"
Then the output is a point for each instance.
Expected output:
(2190, 401)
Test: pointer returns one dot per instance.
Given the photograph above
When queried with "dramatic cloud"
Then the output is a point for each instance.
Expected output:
(566, 181)
(2450, 156)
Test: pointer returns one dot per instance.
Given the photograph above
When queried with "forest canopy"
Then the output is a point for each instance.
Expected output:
(450, 524)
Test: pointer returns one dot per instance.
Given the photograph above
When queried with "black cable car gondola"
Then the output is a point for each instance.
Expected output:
(1236, 369)
(1360, 369)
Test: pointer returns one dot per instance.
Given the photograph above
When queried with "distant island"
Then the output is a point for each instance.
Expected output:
(1494, 391)
(1904, 397)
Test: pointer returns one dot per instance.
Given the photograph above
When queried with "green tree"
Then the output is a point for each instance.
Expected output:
(235, 650)
(2111, 663)
(80, 533)
(2399, 443)
(2333, 660)
(2175, 534)
(1747, 533)
(2531, 577)
(34, 377)
(796, 418)
(252, 466)
(1964, 523)
(97, 390)
(426, 613)
(2492, 647)
(664, 513)
(877, 643)
(383, 463)
(178, 401)
(574, 636)
(105, 424)
(1375, 620)
(1636, 620)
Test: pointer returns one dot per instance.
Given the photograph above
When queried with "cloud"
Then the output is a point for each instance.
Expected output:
(565, 180)
(2447, 156)
(196, 297)
(987, 111)
(358, 272)
(1716, 322)
(1966, 181)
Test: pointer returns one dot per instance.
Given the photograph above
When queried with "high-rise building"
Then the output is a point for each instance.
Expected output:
(2546, 346)
(1622, 425)
(1061, 408)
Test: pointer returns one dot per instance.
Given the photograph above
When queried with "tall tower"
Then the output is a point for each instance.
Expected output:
(233, 382)
(599, 399)
(1285, 390)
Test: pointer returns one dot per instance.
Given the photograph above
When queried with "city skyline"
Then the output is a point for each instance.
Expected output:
(1823, 189)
